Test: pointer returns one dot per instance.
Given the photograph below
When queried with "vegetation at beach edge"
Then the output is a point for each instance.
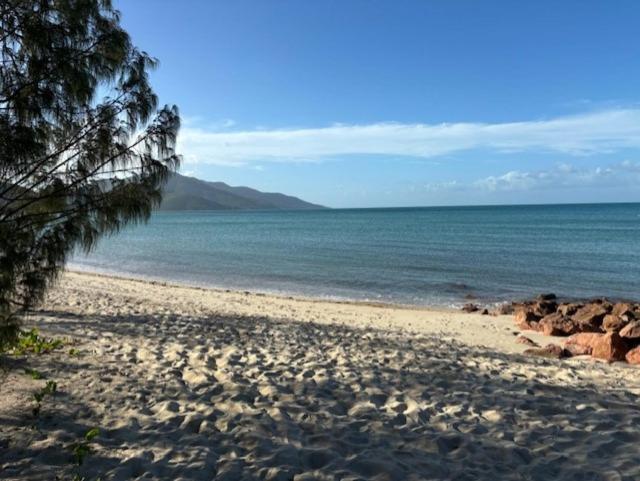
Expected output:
(84, 146)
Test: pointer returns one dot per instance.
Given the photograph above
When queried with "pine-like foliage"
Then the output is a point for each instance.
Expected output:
(84, 148)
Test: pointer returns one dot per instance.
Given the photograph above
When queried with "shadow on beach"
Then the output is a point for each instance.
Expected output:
(228, 398)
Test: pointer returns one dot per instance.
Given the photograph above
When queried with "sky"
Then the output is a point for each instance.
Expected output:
(370, 103)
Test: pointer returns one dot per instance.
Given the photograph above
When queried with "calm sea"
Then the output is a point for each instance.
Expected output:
(426, 256)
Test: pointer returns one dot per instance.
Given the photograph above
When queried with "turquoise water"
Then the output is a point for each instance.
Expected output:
(427, 256)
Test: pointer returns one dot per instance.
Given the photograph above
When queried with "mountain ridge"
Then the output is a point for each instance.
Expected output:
(182, 192)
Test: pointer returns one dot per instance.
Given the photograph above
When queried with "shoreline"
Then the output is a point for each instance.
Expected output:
(300, 297)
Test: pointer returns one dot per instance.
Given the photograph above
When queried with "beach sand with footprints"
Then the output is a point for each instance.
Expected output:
(186, 383)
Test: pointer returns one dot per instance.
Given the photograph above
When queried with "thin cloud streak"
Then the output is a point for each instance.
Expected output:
(585, 134)
(565, 176)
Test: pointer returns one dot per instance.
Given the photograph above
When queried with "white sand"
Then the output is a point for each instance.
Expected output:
(190, 383)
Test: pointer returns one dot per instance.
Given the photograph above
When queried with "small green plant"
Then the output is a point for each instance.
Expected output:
(32, 342)
(48, 390)
(82, 449)
(73, 352)
(35, 374)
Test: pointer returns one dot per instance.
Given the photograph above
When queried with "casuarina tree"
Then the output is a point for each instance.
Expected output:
(84, 146)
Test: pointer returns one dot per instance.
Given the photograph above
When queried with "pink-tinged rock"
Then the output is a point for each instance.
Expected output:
(552, 351)
(622, 309)
(584, 339)
(525, 319)
(557, 325)
(526, 341)
(631, 330)
(614, 323)
(568, 309)
(589, 318)
(577, 350)
(633, 356)
(610, 347)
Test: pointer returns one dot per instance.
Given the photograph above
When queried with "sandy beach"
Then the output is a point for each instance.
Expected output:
(187, 383)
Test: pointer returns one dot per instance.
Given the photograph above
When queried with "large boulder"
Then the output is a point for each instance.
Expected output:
(631, 331)
(610, 347)
(585, 340)
(633, 356)
(614, 323)
(577, 350)
(557, 325)
(589, 318)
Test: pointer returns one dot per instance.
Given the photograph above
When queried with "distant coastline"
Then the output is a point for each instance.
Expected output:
(183, 193)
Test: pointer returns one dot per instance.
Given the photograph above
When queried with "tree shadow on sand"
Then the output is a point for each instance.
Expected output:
(254, 398)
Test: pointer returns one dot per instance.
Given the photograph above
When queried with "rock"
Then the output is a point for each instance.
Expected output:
(622, 309)
(470, 308)
(557, 325)
(526, 341)
(614, 323)
(610, 347)
(589, 318)
(552, 351)
(577, 350)
(568, 309)
(547, 297)
(505, 309)
(485, 312)
(525, 319)
(544, 308)
(633, 356)
(631, 330)
(583, 339)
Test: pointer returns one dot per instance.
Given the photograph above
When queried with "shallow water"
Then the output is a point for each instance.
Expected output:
(427, 256)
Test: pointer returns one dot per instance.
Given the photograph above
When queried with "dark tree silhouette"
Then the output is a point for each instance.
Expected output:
(84, 148)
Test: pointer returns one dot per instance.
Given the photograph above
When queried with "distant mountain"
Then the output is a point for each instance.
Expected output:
(188, 193)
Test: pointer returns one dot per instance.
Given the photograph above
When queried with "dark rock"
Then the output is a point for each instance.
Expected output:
(547, 297)
(485, 312)
(544, 308)
(470, 308)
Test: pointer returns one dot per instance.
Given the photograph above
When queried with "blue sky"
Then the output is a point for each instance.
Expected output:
(389, 103)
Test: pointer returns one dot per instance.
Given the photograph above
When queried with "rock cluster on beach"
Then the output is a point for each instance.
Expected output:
(599, 328)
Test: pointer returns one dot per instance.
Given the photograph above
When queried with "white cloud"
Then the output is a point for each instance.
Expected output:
(589, 133)
(623, 174)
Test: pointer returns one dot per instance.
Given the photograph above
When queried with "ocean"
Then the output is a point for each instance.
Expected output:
(440, 256)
